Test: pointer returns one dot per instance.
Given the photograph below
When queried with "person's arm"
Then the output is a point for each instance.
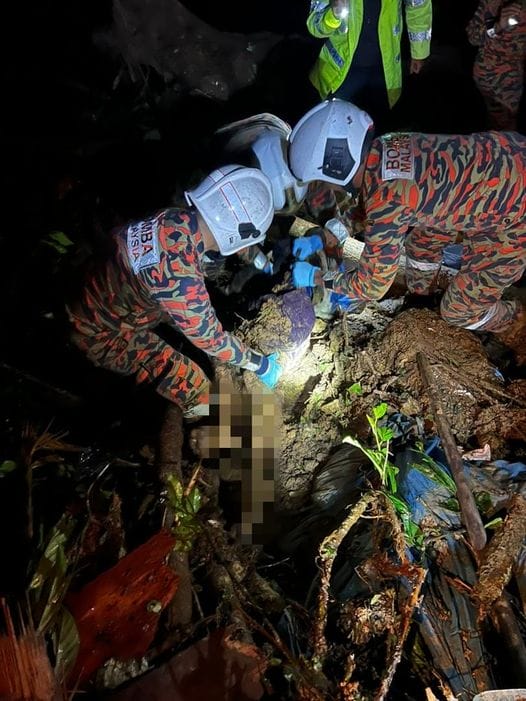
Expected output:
(386, 226)
(325, 17)
(476, 29)
(190, 311)
(419, 16)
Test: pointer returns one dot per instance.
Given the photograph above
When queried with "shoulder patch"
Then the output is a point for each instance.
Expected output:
(398, 157)
(143, 244)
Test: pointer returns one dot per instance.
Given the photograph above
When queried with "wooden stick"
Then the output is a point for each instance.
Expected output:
(327, 554)
(468, 509)
(505, 622)
(407, 617)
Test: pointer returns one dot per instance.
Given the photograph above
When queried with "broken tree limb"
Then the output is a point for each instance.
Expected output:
(506, 624)
(327, 554)
(169, 463)
(468, 509)
(406, 616)
(499, 557)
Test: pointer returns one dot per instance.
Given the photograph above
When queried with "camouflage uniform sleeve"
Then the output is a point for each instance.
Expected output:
(176, 283)
(191, 312)
(321, 21)
(419, 15)
(387, 225)
(476, 29)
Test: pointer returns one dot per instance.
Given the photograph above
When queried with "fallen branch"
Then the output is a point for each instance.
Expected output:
(468, 509)
(477, 383)
(406, 617)
(327, 554)
(169, 463)
(506, 624)
(499, 558)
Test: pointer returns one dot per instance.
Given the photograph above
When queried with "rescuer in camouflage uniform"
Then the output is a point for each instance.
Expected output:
(155, 275)
(423, 190)
(499, 30)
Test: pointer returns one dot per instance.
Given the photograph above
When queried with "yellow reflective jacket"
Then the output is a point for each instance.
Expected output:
(337, 53)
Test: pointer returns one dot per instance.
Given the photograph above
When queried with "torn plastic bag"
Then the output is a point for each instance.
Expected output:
(337, 483)
(454, 641)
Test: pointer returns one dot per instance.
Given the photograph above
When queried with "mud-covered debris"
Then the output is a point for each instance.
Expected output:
(500, 556)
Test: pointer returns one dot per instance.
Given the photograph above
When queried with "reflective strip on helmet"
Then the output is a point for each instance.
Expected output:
(420, 264)
(415, 3)
(488, 316)
(234, 202)
(420, 36)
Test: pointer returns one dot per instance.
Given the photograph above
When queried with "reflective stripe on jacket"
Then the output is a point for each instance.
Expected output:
(336, 56)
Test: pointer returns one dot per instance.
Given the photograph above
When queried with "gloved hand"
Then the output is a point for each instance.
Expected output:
(346, 304)
(340, 8)
(306, 246)
(270, 371)
(303, 275)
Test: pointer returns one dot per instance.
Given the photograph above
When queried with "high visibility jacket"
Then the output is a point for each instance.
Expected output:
(342, 38)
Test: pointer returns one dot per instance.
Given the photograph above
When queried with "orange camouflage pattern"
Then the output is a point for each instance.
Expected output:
(114, 320)
(468, 187)
(498, 69)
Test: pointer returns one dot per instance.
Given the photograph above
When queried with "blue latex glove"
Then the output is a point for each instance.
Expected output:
(270, 371)
(305, 246)
(303, 274)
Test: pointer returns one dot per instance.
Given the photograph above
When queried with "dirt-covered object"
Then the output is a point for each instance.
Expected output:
(473, 396)
(499, 558)
(169, 38)
(283, 323)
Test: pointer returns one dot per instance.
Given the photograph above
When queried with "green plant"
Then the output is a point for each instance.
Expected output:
(185, 505)
(355, 388)
(379, 457)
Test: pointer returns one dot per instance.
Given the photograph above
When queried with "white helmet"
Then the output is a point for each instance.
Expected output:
(262, 141)
(236, 204)
(327, 143)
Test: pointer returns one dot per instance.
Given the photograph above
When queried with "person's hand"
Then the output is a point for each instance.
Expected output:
(304, 275)
(513, 12)
(340, 8)
(416, 65)
(305, 246)
(270, 371)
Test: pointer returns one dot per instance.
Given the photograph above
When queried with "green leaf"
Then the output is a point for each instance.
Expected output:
(7, 466)
(399, 504)
(58, 241)
(66, 642)
(380, 410)
(194, 499)
(355, 388)
(384, 434)
(428, 467)
(51, 578)
(494, 523)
